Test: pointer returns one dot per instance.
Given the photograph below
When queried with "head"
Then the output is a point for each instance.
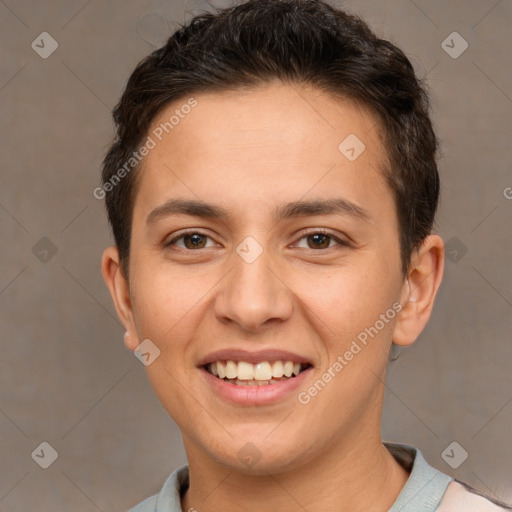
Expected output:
(273, 186)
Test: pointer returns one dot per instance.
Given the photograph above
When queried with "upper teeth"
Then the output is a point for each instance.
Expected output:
(261, 371)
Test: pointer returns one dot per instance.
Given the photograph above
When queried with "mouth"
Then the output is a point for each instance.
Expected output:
(263, 373)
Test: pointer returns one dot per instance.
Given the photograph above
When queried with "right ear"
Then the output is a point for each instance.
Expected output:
(120, 292)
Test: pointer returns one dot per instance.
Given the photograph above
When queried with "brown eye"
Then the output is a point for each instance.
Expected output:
(191, 240)
(318, 241)
(194, 241)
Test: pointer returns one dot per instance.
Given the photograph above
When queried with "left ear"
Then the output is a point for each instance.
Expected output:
(419, 291)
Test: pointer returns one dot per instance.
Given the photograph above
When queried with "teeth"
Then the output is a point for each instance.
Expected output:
(251, 382)
(220, 370)
(277, 369)
(262, 373)
(245, 371)
(231, 370)
(212, 367)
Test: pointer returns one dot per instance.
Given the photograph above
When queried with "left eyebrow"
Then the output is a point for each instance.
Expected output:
(322, 207)
(289, 210)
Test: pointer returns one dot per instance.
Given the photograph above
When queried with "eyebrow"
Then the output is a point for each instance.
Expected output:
(294, 209)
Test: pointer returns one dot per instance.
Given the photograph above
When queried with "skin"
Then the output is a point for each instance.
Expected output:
(248, 152)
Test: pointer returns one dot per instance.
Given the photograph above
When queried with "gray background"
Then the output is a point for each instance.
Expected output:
(65, 375)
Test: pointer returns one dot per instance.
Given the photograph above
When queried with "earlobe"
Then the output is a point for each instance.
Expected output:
(120, 292)
(419, 291)
(131, 341)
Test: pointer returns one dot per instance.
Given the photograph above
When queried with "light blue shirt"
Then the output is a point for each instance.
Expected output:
(423, 491)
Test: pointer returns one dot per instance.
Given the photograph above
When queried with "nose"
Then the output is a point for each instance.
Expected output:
(253, 295)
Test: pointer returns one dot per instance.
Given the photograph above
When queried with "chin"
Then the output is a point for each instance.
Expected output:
(258, 456)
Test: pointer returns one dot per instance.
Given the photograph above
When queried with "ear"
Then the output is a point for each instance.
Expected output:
(119, 289)
(419, 290)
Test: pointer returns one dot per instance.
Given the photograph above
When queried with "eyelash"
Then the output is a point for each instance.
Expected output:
(302, 234)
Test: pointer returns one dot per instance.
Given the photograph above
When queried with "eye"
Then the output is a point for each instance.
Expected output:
(321, 239)
(191, 240)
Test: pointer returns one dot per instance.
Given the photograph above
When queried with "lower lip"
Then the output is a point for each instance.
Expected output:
(255, 395)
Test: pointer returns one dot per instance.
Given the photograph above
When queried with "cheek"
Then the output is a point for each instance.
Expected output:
(164, 300)
(344, 303)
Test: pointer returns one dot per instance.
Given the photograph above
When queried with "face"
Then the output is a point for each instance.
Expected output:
(284, 248)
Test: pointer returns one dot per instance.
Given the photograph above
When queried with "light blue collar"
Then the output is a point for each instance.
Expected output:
(425, 486)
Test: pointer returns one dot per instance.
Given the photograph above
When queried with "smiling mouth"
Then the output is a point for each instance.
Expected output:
(242, 373)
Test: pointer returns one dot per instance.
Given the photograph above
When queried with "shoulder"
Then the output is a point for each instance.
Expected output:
(461, 497)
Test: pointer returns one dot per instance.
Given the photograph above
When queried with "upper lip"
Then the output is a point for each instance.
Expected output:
(252, 356)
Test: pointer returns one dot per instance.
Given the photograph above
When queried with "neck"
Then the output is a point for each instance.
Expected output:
(359, 474)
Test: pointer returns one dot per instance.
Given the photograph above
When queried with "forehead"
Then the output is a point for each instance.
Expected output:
(262, 145)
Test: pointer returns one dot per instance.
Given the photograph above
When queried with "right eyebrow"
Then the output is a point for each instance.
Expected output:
(186, 207)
